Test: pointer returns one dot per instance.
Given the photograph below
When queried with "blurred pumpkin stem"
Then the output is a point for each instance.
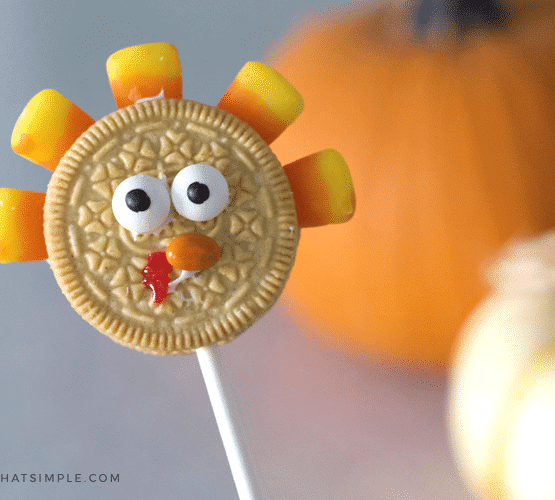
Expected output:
(468, 14)
(445, 24)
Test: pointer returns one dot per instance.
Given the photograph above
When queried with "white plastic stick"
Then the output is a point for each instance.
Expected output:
(242, 466)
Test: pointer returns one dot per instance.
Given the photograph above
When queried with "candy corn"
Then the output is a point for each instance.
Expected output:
(47, 128)
(21, 221)
(145, 71)
(264, 99)
(323, 188)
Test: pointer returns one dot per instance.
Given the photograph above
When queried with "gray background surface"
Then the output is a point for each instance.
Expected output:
(322, 426)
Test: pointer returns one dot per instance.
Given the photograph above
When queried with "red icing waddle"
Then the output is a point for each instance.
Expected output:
(156, 275)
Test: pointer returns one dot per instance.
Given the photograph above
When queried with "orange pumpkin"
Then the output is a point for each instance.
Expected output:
(448, 128)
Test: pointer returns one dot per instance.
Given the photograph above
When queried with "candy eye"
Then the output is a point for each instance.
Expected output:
(141, 203)
(200, 192)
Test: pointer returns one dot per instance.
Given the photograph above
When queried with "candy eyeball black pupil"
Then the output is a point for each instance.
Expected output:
(198, 193)
(137, 200)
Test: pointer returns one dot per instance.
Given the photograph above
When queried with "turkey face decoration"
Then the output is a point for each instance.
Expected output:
(169, 224)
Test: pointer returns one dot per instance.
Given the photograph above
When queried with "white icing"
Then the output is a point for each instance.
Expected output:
(182, 298)
(145, 99)
(182, 277)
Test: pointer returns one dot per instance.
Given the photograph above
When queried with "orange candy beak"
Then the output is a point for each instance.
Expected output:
(193, 252)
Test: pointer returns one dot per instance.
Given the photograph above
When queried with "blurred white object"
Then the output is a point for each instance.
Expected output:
(501, 403)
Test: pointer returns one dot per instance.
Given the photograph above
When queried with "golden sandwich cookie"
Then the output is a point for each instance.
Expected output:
(139, 182)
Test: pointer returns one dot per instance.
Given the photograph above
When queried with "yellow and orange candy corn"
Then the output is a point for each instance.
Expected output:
(21, 226)
(47, 128)
(264, 99)
(323, 188)
(145, 71)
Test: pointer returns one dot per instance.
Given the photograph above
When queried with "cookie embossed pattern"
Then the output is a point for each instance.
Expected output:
(170, 225)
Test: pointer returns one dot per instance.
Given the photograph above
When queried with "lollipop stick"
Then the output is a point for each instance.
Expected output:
(227, 418)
